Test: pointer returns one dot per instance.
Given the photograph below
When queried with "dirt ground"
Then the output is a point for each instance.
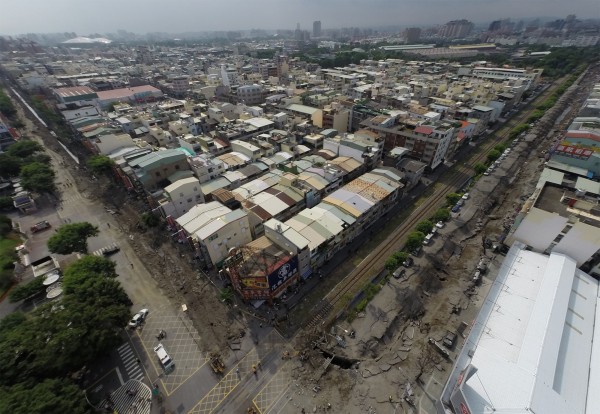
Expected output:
(378, 369)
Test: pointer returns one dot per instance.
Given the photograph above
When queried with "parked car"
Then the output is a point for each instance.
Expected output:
(450, 339)
(465, 196)
(440, 224)
(165, 360)
(456, 208)
(408, 262)
(138, 318)
(398, 273)
(42, 225)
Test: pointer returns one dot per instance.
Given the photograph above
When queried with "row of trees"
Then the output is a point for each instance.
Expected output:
(8, 256)
(6, 106)
(415, 238)
(25, 159)
(41, 349)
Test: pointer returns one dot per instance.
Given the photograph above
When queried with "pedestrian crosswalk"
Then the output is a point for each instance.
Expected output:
(132, 397)
(107, 250)
(74, 197)
(131, 362)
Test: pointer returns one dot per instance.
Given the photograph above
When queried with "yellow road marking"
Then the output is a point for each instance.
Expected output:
(278, 394)
(228, 383)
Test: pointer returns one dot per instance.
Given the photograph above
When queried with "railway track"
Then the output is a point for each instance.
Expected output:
(373, 263)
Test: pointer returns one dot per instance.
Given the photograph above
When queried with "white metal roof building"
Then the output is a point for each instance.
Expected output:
(533, 347)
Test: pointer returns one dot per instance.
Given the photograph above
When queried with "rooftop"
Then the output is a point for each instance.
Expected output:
(534, 347)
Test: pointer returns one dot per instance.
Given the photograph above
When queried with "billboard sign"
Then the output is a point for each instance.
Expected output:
(280, 275)
(574, 152)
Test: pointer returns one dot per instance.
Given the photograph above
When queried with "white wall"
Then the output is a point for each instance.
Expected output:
(580, 242)
(539, 228)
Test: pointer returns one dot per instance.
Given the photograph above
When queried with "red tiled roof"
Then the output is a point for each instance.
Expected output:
(422, 129)
(125, 92)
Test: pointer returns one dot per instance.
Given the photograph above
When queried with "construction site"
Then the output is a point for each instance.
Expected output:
(395, 354)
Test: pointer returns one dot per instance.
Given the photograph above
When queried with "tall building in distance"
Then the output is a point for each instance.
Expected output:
(412, 34)
(317, 28)
(456, 29)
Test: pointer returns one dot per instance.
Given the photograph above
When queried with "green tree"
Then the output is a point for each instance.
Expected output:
(100, 266)
(5, 225)
(100, 164)
(479, 168)
(401, 256)
(493, 155)
(443, 214)
(52, 341)
(49, 396)
(38, 177)
(500, 147)
(9, 165)
(6, 203)
(150, 220)
(392, 263)
(24, 148)
(226, 295)
(71, 238)
(6, 105)
(414, 240)
(32, 288)
(424, 226)
(452, 198)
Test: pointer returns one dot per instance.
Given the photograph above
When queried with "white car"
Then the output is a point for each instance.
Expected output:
(439, 224)
(164, 358)
(465, 196)
(138, 318)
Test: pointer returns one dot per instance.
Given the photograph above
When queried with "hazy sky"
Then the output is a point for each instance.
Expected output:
(142, 16)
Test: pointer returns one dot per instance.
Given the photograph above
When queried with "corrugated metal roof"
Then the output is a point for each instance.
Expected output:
(270, 203)
(213, 185)
(351, 202)
(277, 192)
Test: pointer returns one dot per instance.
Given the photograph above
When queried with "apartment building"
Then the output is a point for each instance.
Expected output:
(213, 230)
(427, 141)
(179, 197)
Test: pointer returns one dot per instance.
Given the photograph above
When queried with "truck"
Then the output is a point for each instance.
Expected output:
(216, 363)
(165, 360)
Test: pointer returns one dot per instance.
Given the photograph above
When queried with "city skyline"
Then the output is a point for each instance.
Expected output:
(148, 16)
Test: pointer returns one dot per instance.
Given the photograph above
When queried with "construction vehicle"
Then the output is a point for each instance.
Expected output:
(439, 348)
(216, 363)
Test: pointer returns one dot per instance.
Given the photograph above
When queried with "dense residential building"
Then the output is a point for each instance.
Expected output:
(212, 230)
(426, 141)
(180, 197)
